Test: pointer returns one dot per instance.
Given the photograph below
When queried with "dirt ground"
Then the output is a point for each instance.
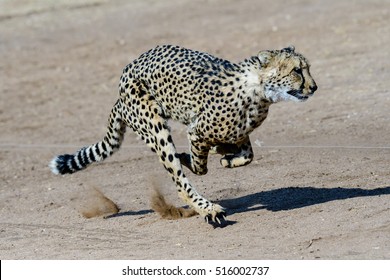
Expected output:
(318, 188)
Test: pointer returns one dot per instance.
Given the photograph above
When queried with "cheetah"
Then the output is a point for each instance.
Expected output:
(220, 102)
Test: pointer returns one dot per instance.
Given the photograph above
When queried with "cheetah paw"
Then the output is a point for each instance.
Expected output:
(217, 215)
(231, 161)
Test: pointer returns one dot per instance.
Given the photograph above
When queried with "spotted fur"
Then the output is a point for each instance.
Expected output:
(220, 102)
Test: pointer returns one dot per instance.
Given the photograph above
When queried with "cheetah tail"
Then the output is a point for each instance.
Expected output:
(70, 163)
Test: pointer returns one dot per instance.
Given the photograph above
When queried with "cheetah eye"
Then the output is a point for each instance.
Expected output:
(298, 70)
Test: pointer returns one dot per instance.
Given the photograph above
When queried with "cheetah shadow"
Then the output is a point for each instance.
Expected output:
(290, 198)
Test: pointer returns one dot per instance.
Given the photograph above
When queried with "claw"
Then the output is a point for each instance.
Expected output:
(217, 217)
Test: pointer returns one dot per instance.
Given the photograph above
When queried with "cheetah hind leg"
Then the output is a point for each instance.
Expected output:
(165, 148)
(156, 133)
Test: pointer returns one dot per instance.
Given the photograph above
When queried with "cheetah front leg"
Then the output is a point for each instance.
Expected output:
(237, 156)
(196, 160)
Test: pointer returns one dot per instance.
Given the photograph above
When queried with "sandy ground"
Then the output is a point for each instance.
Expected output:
(318, 188)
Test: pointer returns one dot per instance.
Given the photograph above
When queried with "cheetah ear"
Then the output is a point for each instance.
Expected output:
(289, 49)
(264, 57)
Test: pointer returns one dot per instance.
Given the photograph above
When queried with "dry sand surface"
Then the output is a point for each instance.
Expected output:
(318, 188)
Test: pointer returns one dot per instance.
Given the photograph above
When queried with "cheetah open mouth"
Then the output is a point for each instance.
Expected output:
(298, 94)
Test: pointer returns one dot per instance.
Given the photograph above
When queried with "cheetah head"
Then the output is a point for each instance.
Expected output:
(285, 75)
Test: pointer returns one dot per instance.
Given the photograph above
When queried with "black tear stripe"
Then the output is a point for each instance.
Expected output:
(303, 81)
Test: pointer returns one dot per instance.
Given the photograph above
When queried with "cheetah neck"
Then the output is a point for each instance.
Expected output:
(251, 81)
(251, 98)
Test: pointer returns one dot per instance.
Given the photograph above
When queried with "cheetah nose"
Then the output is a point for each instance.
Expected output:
(313, 88)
